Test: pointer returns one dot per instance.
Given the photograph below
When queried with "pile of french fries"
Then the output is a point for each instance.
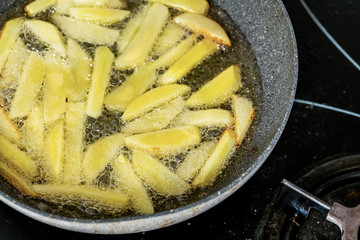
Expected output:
(58, 88)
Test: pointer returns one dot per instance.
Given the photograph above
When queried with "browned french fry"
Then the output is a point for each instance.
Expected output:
(244, 115)
(20, 182)
(18, 158)
(8, 128)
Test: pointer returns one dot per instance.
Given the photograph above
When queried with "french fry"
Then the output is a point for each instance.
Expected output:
(153, 98)
(193, 162)
(20, 182)
(28, 87)
(217, 160)
(171, 35)
(74, 138)
(62, 6)
(135, 85)
(47, 33)
(8, 37)
(194, 6)
(18, 158)
(131, 183)
(205, 118)
(191, 59)
(38, 6)
(218, 90)
(140, 46)
(54, 152)
(203, 25)
(99, 155)
(244, 115)
(103, 63)
(15, 64)
(86, 32)
(157, 176)
(8, 129)
(174, 54)
(55, 89)
(80, 67)
(32, 132)
(81, 193)
(131, 28)
(99, 15)
(157, 119)
(101, 3)
(166, 141)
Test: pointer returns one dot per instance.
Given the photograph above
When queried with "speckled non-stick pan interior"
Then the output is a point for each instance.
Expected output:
(270, 70)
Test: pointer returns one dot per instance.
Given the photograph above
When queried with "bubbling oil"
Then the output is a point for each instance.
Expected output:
(110, 122)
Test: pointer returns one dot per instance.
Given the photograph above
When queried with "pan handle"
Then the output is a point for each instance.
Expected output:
(348, 220)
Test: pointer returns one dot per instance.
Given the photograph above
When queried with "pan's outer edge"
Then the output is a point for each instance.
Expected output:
(163, 219)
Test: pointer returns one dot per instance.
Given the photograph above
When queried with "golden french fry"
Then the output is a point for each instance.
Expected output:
(157, 119)
(8, 37)
(15, 64)
(99, 155)
(55, 89)
(99, 15)
(62, 6)
(17, 157)
(217, 160)
(80, 67)
(244, 114)
(38, 6)
(174, 54)
(131, 28)
(166, 141)
(8, 128)
(86, 32)
(73, 145)
(131, 183)
(101, 3)
(203, 25)
(32, 132)
(205, 118)
(111, 199)
(191, 59)
(135, 85)
(194, 6)
(157, 176)
(20, 182)
(54, 152)
(140, 46)
(171, 35)
(218, 90)
(193, 162)
(153, 98)
(103, 63)
(28, 87)
(47, 33)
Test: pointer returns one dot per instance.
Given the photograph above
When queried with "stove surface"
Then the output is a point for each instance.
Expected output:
(324, 125)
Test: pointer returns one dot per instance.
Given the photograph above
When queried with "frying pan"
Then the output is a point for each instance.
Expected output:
(267, 28)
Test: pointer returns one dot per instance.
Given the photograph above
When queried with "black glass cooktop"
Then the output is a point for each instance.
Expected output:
(324, 125)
